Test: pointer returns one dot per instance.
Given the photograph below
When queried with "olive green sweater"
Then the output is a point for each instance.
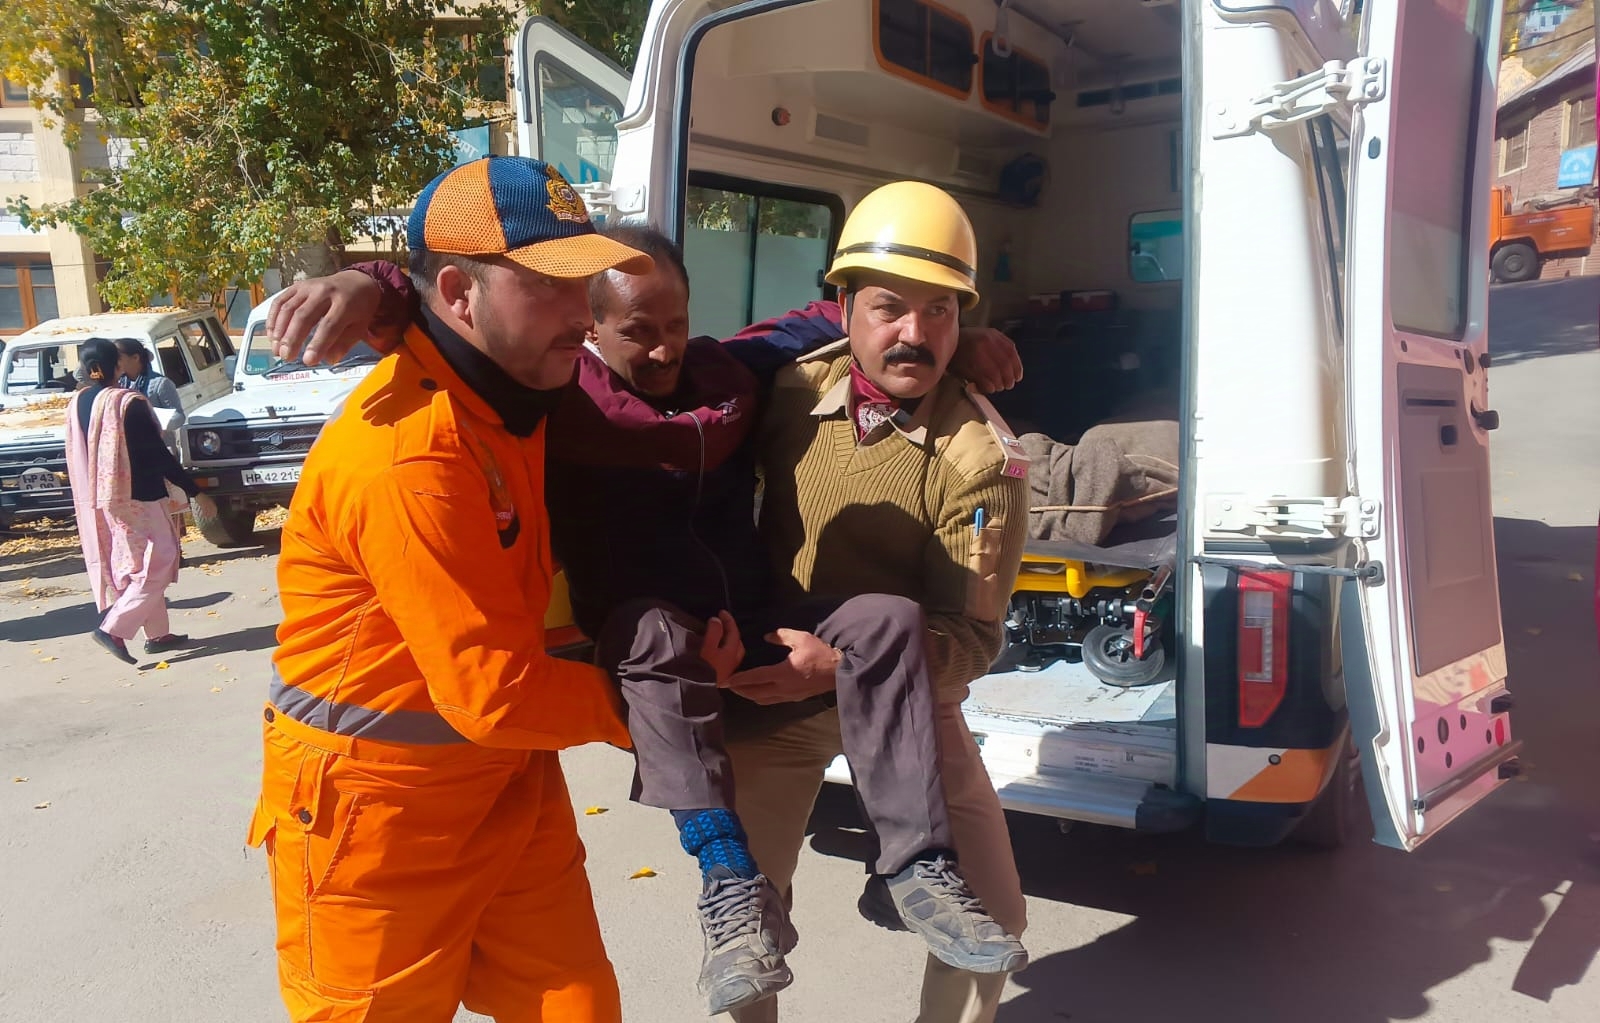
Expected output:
(896, 513)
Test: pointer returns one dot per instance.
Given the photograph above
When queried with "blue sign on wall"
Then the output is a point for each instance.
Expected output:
(471, 143)
(1577, 167)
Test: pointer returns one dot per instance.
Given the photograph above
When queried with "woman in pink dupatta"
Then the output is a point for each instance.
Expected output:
(126, 485)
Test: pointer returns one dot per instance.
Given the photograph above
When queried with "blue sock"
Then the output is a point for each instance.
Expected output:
(716, 839)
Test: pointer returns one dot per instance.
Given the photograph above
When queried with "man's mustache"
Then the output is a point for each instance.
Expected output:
(907, 353)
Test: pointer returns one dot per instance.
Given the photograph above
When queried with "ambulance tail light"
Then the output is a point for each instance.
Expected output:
(1263, 645)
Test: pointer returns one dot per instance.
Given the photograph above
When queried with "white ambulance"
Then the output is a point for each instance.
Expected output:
(1273, 212)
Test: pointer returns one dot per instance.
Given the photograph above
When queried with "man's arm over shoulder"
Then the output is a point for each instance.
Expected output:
(399, 306)
(424, 534)
(767, 347)
(973, 558)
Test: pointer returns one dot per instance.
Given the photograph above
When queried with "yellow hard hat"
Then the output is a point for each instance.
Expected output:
(911, 230)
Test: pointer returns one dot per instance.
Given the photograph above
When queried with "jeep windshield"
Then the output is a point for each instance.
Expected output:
(260, 362)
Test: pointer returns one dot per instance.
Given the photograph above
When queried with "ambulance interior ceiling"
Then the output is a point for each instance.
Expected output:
(811, 96)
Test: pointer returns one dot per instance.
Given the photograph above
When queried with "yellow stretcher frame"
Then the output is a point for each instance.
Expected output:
(1042, 573)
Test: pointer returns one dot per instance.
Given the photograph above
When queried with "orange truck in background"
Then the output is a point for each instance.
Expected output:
(1520, 242)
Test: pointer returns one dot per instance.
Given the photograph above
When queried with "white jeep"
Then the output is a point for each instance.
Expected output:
(246, 448)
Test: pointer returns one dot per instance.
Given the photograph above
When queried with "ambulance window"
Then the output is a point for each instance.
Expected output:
(1330, 154)
(577, 122)
(1155, 246)
(1017, 85)
(930, 42)
(1433, 196)
(753, 251)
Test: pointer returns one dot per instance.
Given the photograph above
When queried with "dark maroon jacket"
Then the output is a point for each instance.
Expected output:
(656, 498)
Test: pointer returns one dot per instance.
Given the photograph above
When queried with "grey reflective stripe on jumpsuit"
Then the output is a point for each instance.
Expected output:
(417, 727)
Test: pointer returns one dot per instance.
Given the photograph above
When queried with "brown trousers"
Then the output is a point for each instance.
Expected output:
(780, 775)
(884, 697)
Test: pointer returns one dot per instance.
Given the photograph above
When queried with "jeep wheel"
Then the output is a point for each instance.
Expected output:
(230, 527)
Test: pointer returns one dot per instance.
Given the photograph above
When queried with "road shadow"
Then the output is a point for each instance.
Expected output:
(258, 637)
(56, 623)
(1539, 318)
(265, 543)
(195, 603)
(1224, 935)
(51, 564)
(58, 562)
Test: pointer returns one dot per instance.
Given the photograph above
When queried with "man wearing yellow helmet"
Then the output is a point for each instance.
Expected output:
(883, 474)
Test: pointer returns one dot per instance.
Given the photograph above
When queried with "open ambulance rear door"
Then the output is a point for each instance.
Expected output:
(569, 100)
(1425, 663)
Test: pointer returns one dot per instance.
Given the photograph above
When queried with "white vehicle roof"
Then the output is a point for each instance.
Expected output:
(135, 323)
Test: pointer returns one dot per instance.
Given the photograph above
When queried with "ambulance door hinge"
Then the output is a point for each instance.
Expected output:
(1306, 517)
(1336, 84)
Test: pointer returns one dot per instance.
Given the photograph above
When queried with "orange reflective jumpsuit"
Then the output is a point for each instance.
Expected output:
(422, 844)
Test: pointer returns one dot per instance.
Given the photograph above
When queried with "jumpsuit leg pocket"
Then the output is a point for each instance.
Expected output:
(311, 1001)
(304, 820)
(331, 819)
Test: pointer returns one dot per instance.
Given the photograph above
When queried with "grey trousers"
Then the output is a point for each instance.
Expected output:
(884, 696)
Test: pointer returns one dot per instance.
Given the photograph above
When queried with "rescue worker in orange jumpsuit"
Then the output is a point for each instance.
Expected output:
(422, 844)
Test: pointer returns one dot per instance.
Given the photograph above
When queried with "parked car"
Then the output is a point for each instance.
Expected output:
(246, 448)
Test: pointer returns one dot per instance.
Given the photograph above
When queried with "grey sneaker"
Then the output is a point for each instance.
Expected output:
(932, 899)
(747, 933)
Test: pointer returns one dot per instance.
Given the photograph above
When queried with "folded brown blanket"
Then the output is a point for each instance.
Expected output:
(1122, 470)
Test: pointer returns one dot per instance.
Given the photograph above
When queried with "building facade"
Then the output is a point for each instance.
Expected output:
(1542, 125)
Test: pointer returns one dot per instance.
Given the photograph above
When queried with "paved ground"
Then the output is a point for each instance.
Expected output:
(125, 892)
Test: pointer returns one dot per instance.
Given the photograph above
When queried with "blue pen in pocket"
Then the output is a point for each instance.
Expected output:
(977, 523)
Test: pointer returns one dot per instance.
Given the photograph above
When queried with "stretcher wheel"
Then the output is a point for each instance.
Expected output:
(1108, 651)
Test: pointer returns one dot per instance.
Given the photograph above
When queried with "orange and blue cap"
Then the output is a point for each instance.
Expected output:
(519, 208)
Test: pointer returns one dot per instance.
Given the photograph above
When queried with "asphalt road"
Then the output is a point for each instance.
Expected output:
(126, 893)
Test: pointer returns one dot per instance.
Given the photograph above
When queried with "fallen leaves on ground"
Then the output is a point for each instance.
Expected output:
(641, 872)
(26, 590)
(41, 535)
(162, 665)
(46, 660)
(42, 806)
(594, 811)
(18, 780)
(216, 689)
